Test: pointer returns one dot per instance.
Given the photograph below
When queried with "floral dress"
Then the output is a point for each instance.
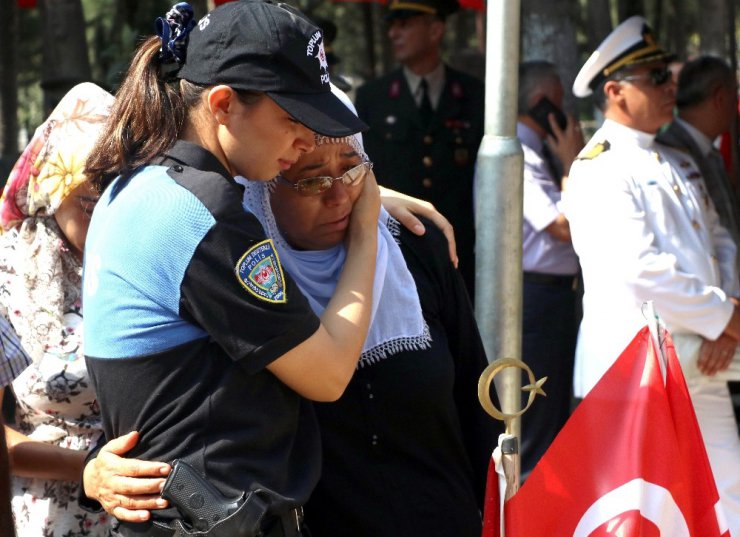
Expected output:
(55, 401)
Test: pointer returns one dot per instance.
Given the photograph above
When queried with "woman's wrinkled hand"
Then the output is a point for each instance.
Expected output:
(367, 208)
(126, 488)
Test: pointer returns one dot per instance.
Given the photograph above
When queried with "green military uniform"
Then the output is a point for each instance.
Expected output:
(434, 163)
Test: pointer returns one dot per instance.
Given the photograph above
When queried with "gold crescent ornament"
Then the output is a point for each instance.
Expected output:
(484, 388)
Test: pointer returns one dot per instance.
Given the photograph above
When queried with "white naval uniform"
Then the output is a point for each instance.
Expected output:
(645, 229)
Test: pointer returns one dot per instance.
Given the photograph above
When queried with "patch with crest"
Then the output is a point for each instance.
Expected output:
(259, 271)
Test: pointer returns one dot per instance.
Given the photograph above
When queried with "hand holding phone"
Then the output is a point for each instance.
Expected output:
(540, 113)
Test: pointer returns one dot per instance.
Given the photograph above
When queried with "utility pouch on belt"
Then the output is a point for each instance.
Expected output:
(207, 513)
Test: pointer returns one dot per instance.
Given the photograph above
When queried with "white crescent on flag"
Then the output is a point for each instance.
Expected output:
(654, 502)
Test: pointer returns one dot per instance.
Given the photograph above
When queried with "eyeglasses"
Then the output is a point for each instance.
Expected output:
(657, 76)
(313, 186)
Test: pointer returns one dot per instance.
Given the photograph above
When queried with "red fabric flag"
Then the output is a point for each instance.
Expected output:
(492, 503)
(629, 462)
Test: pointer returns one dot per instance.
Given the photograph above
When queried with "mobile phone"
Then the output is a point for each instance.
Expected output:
(540, 112)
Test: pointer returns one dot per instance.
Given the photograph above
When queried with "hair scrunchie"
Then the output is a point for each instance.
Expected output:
(173, 30)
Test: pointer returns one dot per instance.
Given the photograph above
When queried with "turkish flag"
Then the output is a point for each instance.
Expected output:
(629, 462)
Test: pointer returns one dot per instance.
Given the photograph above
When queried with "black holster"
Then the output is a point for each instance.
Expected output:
(251, 519)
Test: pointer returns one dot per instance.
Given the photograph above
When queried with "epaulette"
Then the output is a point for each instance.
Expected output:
(594, 151)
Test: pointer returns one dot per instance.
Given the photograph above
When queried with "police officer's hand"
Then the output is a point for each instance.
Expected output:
(566, 143)
(404, 208)
(126, 488)
(716, 356)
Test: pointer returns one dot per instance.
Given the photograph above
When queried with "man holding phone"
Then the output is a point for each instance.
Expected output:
(551, 141)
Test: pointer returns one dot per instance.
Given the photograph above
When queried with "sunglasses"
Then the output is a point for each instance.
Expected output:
(657, 76)
(313, 186)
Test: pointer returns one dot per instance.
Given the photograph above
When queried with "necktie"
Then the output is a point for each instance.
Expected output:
(425, 107)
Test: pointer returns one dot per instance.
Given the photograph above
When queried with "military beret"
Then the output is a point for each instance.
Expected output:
(630, 43)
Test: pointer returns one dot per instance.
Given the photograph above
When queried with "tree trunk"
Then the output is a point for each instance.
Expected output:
(65, 62)
(8, 87)
(598, 22)
(369, 25)
(713, 28)
(548, 33)
(628, 8)
(676, 34)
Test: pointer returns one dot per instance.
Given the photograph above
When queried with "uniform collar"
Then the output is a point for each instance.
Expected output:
(617, 131)
(435, 79)
(198, 157)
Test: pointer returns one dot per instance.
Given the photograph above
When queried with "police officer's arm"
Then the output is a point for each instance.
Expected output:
(404, 208)
(320, 367)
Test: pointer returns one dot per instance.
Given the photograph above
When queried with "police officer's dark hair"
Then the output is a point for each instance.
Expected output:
(700, 78)
(148, 116)
(532, 76)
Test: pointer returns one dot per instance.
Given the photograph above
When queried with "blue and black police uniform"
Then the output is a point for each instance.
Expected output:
(186, 304)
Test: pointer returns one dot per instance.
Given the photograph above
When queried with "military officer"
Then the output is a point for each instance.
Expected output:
(426, 121)
(644, 229)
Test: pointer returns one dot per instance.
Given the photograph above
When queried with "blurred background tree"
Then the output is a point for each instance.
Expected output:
(50, 45)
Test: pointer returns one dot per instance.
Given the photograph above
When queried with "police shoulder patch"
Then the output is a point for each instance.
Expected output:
(594, 151)
(259, 271)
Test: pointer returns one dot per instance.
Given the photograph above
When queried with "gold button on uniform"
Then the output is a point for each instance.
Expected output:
(427, 161)
(428, 140)
(427, 182)
(695, 224)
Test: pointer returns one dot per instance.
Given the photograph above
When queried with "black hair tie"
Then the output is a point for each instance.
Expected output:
(173, 30)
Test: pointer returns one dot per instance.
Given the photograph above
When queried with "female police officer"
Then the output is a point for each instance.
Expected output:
(195, 335)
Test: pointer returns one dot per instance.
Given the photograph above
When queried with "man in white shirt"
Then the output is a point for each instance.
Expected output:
(644, 228)
(550, 321)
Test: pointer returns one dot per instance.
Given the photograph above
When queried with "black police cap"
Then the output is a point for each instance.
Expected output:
(270, 47)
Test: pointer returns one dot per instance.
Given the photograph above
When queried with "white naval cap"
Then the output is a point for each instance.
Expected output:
(630, 43)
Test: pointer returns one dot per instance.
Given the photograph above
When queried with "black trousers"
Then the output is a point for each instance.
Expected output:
(551, 315)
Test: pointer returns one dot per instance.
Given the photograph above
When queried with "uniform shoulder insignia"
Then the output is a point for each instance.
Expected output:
(594, 151)
(259, 271)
